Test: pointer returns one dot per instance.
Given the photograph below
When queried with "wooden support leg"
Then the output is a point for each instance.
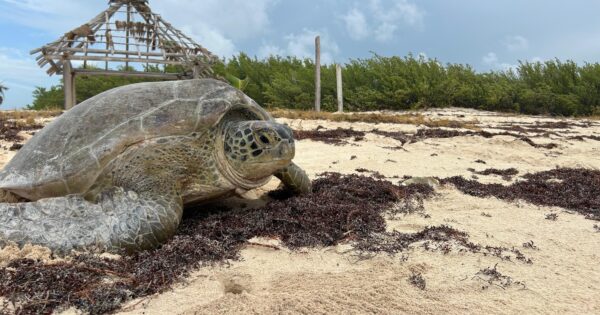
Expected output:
(68, 84)
(73, 90)
(196, 72)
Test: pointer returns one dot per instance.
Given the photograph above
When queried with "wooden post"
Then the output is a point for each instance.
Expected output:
(340, 91)
(73, 88)
(127, 33)
(318, 74)
(68, 84)
(108, 32)
(196, 72)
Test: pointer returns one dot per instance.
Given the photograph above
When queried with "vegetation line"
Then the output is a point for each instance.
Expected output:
(394, 83)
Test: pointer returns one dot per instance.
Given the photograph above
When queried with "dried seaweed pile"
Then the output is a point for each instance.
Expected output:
(339, 136)
(582, 138)
(9, 129)
(545, 126)
(527, 129)
(491, 276)
(573, 189)
(561, 124)
(374, 174)
(506, 174)
(444, 133)
(442, 238)
(396, 135)
(335, 136)
(438, 133)
(341, 208)
(495, 171)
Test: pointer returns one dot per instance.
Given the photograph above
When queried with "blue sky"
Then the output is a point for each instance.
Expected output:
(488, 34)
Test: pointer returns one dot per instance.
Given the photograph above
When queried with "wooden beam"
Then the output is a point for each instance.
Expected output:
(116, 59)
(54, 67)
(151, 75)
(118, 52)
(318, 74)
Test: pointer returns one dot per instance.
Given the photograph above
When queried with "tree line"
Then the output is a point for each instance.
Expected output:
(393, 83)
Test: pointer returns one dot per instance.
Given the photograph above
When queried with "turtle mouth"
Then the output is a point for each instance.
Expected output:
(287, 161)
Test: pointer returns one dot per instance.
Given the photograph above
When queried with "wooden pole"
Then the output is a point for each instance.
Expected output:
(196, 72)
(127, 34)
(340, 91)
(318, 73)
(117, 59)
(85, 54)
(73, 88)
(108, 32)
(68, 84)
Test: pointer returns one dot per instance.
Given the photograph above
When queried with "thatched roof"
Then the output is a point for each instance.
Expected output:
(128, 32)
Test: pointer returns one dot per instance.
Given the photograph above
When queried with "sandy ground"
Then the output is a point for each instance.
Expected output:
(564, 277)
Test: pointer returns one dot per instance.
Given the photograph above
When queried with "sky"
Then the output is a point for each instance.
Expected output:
(487, 34)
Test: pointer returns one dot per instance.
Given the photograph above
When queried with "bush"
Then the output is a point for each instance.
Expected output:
(395, 83)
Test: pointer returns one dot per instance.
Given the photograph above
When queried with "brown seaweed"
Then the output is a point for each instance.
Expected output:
(573, 189)
(337, 136)
(341, 208)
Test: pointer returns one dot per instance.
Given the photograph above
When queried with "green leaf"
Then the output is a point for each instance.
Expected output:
(236, 82)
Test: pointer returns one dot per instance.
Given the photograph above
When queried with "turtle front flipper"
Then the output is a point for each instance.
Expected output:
(119, 220)
(295, 179)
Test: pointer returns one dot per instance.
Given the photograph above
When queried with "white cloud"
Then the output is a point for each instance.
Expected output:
(401, 10)
(270, 50)
(212, 39)
(55, 17)
(391, 18)
(492, 61)
(20, 73)
(380, 20)
(385, 32)
(303, 46)
(537, 59)
(17, 69)
(234, 19)
(356, 24)
(33, 5)
(516, 43)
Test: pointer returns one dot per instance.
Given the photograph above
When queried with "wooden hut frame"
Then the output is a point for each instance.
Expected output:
(127, 33)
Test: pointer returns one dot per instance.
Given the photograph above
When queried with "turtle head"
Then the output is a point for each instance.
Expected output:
(257, 149)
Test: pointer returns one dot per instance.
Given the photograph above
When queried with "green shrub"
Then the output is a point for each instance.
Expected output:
(394, 83)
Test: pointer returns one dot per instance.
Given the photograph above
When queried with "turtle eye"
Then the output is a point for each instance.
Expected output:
(265, 138)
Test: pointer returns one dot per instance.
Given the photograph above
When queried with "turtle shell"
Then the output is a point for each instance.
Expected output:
(68, 155)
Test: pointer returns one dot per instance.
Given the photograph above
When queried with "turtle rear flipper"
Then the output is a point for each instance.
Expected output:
(120, 220)
(8, 197)
(295, 179)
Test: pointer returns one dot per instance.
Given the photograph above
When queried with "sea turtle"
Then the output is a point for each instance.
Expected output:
(115, 171)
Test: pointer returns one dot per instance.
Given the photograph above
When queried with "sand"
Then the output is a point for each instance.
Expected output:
(564, 277)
